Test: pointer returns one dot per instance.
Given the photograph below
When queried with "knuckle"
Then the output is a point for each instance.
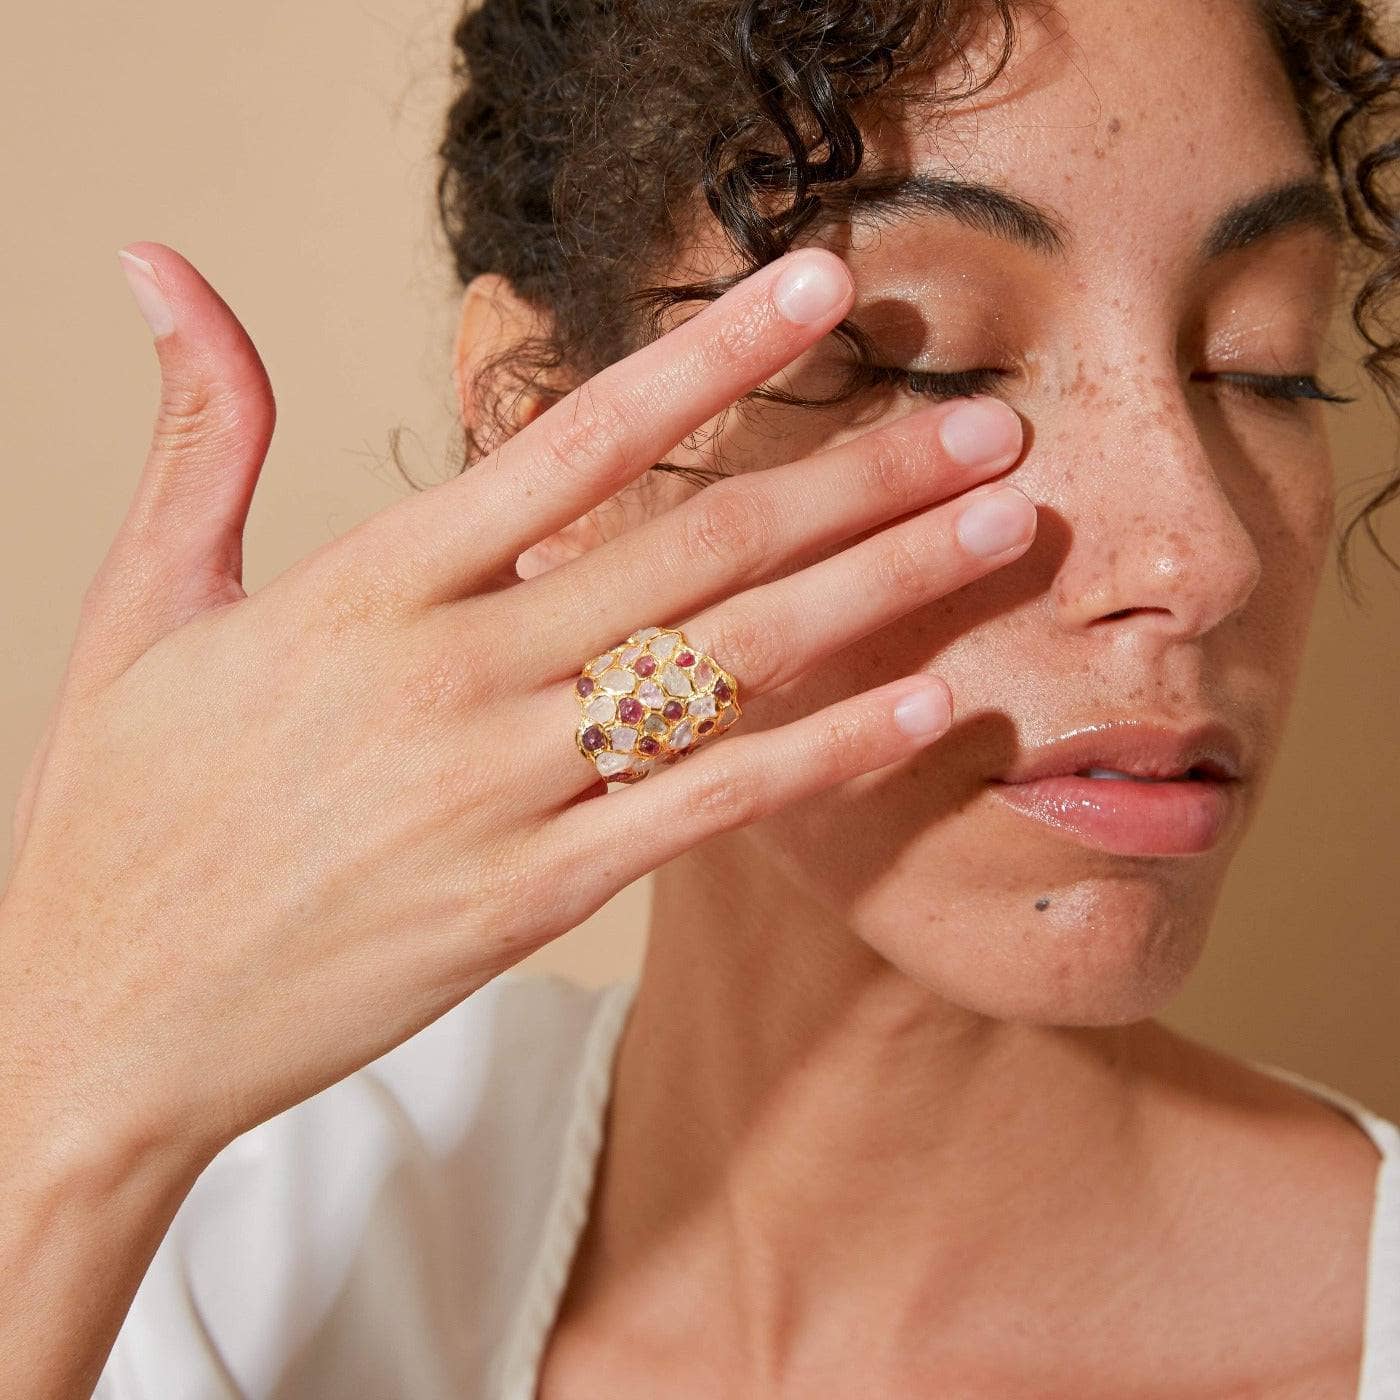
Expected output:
(841, 741)
(432, 686)
(191, 407)
(737, 336)
(889, 469)
(353, 593)
(588, 444)
(745, 641)
(900, 570)
(729, 524)
(719, 798)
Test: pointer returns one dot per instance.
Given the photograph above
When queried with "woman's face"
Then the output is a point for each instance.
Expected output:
(1183, 518)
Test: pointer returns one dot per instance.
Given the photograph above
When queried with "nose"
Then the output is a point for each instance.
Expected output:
(1158, 543)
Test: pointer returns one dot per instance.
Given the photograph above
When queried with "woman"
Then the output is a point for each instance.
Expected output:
(887, 1113)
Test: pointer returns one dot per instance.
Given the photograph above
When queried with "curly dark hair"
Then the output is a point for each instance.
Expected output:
(585, 132)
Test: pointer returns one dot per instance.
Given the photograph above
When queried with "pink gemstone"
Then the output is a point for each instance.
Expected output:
(584, 685)
(629, 710)
(647, 744)
(673, 709)
(686, 658)
(593, 737)
(706, 725)
(722, 690)
(645, 665)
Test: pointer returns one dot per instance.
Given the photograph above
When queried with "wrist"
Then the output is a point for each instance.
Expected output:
(73, 1118)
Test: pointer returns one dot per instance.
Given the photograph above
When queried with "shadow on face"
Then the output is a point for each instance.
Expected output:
(1127, 238)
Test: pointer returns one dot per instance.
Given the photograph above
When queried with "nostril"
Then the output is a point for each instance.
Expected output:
(1127, 612)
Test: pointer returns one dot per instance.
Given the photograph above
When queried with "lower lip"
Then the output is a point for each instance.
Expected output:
(1126, 817)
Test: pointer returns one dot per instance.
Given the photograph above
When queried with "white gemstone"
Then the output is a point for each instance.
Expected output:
(645, 634)
(654, 724)
(599, 663)
(651, 694)
(681, 735)
(622, 738)
(630, 655)
(610, 763)
(675, 680)
(619, 681)
(601, 708)
(702, 706)
(663, 647)
(704, 673)
(643, 766)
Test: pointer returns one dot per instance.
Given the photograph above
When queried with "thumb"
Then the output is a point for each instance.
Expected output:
(179, 550)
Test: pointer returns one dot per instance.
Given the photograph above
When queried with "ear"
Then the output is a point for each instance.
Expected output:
(495, 317)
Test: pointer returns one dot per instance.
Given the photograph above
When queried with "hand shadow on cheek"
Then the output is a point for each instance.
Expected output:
(983, 740)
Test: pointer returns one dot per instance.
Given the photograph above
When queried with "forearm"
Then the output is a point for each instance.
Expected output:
(87, 1191)
(78, 1229)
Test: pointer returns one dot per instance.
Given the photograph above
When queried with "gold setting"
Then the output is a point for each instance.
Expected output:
(651, 700)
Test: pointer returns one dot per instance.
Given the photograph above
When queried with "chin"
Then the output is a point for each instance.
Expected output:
(1105, 951)
(995, 914)
(1092, 942)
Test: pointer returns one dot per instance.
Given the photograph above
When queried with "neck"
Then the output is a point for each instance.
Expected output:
(811, 1135)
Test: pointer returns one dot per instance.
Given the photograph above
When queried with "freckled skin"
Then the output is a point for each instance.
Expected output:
(1182, 532)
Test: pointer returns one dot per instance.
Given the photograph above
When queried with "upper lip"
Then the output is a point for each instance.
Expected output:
(1135, 747)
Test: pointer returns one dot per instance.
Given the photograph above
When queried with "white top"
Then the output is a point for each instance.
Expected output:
(406, 1233)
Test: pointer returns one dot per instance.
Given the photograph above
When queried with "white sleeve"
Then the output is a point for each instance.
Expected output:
(370, 1240)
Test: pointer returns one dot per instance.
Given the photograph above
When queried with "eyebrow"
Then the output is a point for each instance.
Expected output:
(1301, 203)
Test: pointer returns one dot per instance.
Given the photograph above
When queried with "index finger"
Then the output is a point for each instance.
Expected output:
(619, 423)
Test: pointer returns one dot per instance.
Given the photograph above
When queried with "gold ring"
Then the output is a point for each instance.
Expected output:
(652, 699)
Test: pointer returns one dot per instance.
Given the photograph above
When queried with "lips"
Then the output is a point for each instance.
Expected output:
(1130, 787)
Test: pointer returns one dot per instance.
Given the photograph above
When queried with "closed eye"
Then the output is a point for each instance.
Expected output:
(1277, 386)
(954, 384)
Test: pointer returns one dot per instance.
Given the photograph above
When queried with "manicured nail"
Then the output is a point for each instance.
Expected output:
(982, 433)
(150, 300)
(994, 523)
(811, 288)
(926, 710)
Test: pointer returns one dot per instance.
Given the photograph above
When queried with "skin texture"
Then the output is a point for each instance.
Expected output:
(892, 1114)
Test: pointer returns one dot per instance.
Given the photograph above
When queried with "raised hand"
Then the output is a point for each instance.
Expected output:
(266, 838)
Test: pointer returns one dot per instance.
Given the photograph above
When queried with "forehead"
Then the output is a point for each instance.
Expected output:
(1137, 121)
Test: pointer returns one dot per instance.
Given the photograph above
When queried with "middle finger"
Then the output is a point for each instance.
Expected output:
(747, 528)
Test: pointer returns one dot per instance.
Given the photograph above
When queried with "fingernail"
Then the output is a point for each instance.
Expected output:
(982, 433)
(811, 288)
(994, 523)
(150, 300)
(925, 711)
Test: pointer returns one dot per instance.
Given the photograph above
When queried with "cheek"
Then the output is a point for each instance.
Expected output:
(1293, 522)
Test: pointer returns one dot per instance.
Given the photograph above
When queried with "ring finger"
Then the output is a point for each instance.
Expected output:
(772, 633)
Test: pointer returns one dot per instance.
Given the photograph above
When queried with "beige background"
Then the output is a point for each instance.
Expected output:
(288, 152)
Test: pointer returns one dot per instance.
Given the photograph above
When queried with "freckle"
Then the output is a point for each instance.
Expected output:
(1114, 127)
(1142, 357)
(1099, 152)
(1042, 903)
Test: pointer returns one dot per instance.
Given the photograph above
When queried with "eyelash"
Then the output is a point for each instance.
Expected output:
(1288, 388)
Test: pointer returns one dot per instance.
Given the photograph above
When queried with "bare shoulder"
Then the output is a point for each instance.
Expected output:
(1284, 1129)
(1283, 1187)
